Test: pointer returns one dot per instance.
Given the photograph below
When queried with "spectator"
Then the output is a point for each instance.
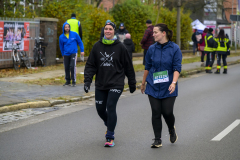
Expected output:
(75, 25)
(121, 32)
(194, 41)
(68, 42)
(129, 44)
(222, 50)
(147, 39)
(202, 46)
(210, 45)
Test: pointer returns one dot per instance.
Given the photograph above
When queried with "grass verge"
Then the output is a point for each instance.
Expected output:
(80, 77)
(10, 72)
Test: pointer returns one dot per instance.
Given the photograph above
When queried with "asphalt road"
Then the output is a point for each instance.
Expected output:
(207, 104)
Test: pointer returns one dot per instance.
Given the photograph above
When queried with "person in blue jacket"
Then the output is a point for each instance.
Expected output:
(68, 42)
(162, 69)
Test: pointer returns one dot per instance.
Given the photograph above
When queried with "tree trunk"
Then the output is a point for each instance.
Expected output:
(2, 8)
(98, 3)
(158, 11)
(179, 24)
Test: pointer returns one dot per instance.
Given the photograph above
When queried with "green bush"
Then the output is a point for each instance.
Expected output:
(92, 22)
(170, 18)
(134, 15)
(91, 19)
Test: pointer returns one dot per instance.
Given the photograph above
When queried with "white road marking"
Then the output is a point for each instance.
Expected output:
(227, 130)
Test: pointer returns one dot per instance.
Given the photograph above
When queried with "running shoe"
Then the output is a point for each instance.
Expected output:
(173, 135)
(109, 143)
(157, 143)
(67, 84)
(74, 84)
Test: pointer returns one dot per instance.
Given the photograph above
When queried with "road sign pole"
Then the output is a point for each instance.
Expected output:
(236, 36)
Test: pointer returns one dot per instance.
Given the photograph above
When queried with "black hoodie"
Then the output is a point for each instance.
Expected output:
(110, 63)
(129, 45)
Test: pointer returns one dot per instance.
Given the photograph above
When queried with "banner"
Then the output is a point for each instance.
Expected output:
(13, 33)
(1, 35)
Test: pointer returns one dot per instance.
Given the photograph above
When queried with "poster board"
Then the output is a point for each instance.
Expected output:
(12, 33)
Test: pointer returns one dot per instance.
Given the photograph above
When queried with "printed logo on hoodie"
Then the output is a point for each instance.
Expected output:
(107, 59)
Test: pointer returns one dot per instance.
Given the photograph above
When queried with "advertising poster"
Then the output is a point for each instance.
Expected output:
(14, 33)
(1, 35)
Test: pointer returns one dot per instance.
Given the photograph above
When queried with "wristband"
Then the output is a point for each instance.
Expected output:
(174, 82)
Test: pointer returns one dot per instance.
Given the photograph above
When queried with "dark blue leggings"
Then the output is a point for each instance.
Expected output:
(106, 103)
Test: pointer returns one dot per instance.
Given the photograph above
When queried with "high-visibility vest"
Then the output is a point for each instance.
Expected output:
(222, 44)
(207, 48)
(74, 25)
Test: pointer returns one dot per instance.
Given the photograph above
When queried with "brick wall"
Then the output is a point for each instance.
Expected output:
(107, 4)
(228, 5)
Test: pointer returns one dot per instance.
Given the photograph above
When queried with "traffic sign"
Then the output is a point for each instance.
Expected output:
(235, 17)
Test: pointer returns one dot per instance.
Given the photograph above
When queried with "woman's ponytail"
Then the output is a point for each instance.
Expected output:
(170, 35)
(163, 27)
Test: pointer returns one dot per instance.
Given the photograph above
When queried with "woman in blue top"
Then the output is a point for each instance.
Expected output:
(162, 69)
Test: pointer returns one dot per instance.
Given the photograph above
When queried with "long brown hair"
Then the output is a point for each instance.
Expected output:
(163, 27)
(221, 34)
(205, 30)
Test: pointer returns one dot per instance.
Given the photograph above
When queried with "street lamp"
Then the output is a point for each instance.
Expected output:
(179, 23)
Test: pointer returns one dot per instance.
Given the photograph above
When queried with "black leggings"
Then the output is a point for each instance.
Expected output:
(162, 107)
(202, 56)
(106, 103)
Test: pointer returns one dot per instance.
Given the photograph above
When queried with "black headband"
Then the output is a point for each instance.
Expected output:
(111, 23)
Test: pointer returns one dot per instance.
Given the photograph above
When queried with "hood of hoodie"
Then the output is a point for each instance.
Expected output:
(128, 41)
(64, 26)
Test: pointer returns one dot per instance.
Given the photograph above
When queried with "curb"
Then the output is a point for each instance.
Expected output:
(50, 103)
(195, 71)
(41, 104)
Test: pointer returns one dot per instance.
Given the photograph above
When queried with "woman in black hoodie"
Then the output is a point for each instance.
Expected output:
(129, 44)
(110, 61)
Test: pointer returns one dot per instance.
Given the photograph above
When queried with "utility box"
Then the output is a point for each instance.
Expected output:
(48, 31)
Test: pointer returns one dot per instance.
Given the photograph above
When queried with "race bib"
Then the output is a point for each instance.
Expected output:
(160, 77)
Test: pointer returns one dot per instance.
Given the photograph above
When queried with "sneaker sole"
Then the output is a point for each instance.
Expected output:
(156, 146)
(106, 145)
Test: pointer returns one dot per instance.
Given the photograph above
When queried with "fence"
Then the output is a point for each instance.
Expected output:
(11, 27)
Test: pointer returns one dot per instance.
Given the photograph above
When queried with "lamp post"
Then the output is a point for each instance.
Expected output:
(179, 23)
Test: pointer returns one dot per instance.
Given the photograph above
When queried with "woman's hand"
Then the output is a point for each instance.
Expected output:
(143, 87)
(172, 88)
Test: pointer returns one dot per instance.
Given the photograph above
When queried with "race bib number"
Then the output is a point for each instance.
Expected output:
(160, 77)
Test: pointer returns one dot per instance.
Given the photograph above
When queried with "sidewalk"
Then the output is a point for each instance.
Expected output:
(13, 92)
